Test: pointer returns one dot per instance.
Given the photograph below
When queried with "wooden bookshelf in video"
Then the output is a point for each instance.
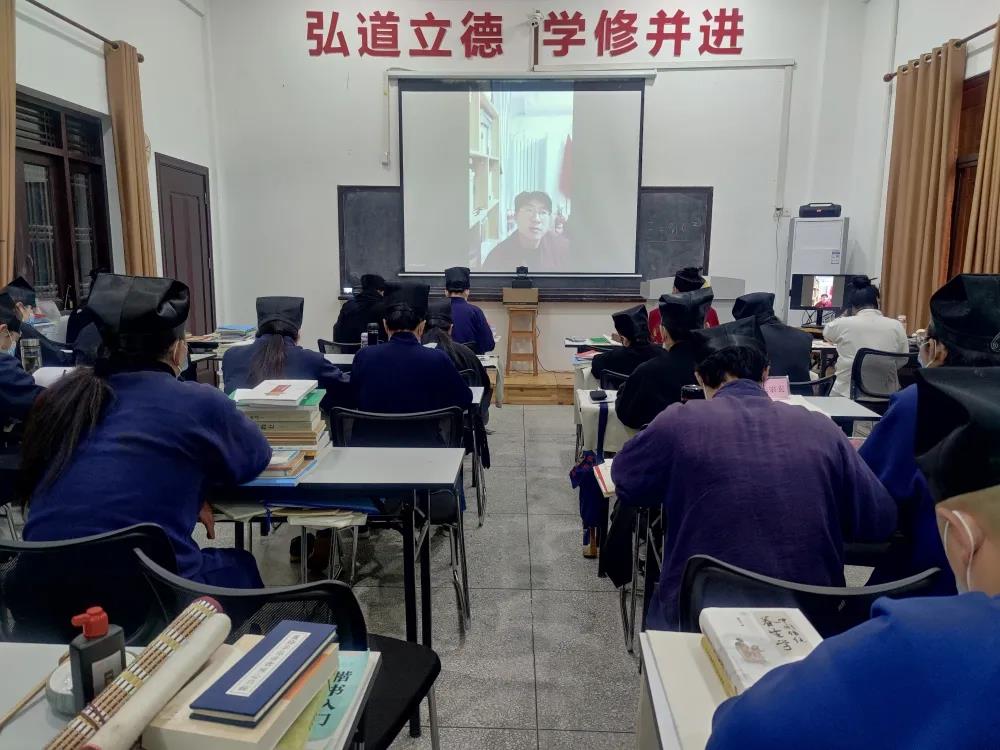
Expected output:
(484, 170)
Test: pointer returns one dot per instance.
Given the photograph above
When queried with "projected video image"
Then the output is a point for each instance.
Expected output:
(520, 181)
(822, 292)
(505, 173)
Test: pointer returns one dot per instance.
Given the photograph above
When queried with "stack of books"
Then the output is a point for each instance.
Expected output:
(230, 336)
(285, 689)
(287, 412)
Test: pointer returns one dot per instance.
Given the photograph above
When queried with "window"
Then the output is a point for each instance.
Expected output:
(970, 129)
(61, 201)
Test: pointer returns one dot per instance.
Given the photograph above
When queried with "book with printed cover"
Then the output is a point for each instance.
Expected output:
(744, 644)
(276, 393)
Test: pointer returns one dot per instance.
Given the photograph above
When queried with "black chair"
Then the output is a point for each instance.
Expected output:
(337, 347)
(43, 584)
(709, 582)
(875, 377)
(472, 345)
(611, 380)
(444, 428)
(821, 387)
(408, 671)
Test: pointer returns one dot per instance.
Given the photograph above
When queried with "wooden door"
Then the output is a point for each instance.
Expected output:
(186, 235)
(43, 254)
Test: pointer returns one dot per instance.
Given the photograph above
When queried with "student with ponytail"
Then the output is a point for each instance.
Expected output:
(863, 326)
(276, 355)
(124, 442)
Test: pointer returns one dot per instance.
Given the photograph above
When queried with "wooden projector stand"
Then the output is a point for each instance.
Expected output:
(522, 316)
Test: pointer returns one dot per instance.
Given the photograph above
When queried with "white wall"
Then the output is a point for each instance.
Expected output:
(66, 65)
(292, 127)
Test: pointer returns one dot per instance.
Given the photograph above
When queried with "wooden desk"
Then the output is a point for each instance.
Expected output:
(680, 692)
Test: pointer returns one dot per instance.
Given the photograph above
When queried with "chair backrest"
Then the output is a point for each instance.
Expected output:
(337, 347)
(258, 611)
(443, 428)
(709, 582)
(474, 345)
(471, 377)
(611, 380)
(874, 374)
(327, 347)
(821, 387)
(43, 584)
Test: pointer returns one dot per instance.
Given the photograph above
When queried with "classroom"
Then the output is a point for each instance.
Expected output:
(499, 375)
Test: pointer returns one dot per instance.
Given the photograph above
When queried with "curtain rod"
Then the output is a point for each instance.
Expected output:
(958, 43)
(79, 26)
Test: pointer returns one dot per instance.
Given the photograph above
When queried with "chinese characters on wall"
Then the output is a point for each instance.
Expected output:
(613, 33)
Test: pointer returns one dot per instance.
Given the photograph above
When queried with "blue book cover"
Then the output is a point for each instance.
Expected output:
(247, 691)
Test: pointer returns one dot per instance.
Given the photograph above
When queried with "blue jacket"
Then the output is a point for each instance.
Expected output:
(403, 376)
(161, 444)
(470, 326)
(889, 452)
(769, 487)
(17, 392)
(300, 364)
(921, 674)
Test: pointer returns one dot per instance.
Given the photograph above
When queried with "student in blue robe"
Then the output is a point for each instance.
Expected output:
(54, 354)
(656, 384)
(276, 355)
(404, 376)
(965, 318)
(766, 486)
(17, 388)
(922, 674)
(470, 325)
(632, 326)
(125, 442)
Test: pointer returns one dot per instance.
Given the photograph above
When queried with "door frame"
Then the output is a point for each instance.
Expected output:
(162, 160)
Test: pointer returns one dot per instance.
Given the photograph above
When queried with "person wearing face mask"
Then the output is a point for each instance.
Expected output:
(769, 487)
(125, 442)
(922, 673)
(17, 388)
(964, 332)
(26, 303)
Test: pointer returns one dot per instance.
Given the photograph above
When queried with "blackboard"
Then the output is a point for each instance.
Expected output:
(371, 232)
(674, 229)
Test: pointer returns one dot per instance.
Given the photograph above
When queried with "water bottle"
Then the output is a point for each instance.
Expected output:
(31, 355)
(372, 334)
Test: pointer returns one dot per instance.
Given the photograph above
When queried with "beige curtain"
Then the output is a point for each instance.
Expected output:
(922, 181)
(8, 99)
(982, 248)
(125, 104)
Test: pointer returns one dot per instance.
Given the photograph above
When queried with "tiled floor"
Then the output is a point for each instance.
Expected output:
(543, 664)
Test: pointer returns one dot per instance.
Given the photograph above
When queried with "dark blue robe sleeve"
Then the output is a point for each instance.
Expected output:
(639, 471)
(17, 390)
(454, 390)
(484, 336)
(889, 449)
(868, 512)
(234, 448)
(335, 382)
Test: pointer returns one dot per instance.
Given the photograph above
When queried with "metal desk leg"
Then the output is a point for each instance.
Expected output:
(239, 538)
(304, 552)
(638, 531)
(425, 573)
(499, 389)
(410, 590)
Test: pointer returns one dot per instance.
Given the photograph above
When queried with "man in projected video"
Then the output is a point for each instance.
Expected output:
(533, 243)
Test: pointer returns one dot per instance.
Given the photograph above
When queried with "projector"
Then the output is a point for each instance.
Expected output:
(521, 281)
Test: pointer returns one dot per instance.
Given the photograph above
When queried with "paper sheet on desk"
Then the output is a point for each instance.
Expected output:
(801, 401)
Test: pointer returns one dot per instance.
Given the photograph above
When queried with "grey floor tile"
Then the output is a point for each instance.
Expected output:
(506, 450)
(552, 454)
(487, 673)
(557, 562)
(471, 739)
(498, 552)
(505, 491)
(542, 421)
(557, 740)
(508, 420)
(550, 492)
(585, 679)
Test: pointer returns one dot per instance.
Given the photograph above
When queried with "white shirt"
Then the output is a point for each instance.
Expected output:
(868, 329)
